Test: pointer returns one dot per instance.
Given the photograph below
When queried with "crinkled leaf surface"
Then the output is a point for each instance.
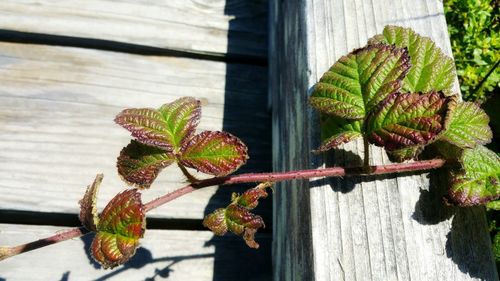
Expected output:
(407, 120)
(336, 131)
(88, 209)
(479, 181)
(359, 81)
(431, 68)
(122, 224)
(165, 128)
(215, 153)
(468, 126)
(140, 164)
(237, 217)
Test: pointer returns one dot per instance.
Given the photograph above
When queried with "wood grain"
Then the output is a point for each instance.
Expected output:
(163, 254)
(233, 27)
(382, 228)
(57, 107)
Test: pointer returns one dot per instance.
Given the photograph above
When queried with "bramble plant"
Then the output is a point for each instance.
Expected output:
(396, 92)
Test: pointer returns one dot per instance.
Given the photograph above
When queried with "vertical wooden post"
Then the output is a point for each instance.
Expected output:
(391, 228)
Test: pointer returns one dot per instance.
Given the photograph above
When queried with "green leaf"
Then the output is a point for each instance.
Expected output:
(403, 154)
(407, 120)
(166, 128)
(88, 210)
(140, 164)
(336, 131)
(182, 117)
(215, 153)
(479, 180)
(359, 81)
(431, 69)
(122, 224)
(493, 205)
(468, 126)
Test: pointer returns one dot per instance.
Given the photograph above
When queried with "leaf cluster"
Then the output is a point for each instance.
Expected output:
(397, 93)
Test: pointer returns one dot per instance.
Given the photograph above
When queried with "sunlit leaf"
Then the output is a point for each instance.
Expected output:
(165, 128)
(140, 164)
(182, 117)
(88, 209)
(493, 205)
(431, 68)
(407, 120)
(468, 126)
(237, 217)
(122, 224)
(215, 153)
(336, 131)
(479, 180)
(360, 80)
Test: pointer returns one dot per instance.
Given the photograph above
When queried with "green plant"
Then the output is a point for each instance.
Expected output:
(474, 27)
(396, 93)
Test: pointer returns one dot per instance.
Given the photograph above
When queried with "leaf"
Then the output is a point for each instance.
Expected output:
(359, 81)
(468, 126)
(236, 219)
(336, 131)
(140, 164)
(407, 120)
(404, 154)
(215, 153)
(493, 205)
(88, 210)
(431, 69)
(166, 128)
(122, 224)
(479, 180)
(182, 117)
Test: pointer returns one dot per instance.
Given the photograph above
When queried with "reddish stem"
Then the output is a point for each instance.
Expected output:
(6, 252)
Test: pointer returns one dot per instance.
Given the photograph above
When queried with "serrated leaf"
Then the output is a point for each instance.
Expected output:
(407, 120)
(431, 68)
(468, 126)
(122, 224)
(215, 153)
(182, 117)
(140, 164)
(236, 219)
(336, 131)
(359, 81)
(88, 209)
(165, 128)
(479, 180)
(250, 198)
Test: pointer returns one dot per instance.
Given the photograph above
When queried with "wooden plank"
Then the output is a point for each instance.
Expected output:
(383, 228)
(171, 254)
(236, 27)
(57, 106)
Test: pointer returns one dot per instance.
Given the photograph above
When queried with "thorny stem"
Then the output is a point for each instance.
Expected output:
(6, 252)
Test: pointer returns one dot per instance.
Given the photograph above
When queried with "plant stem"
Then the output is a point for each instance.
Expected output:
(6, 252)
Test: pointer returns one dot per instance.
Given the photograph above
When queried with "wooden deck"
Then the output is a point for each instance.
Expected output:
(67, 68)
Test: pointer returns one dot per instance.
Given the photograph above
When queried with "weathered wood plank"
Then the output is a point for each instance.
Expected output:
(353, 229)
(170, 254)
(212, 27)
(57, 107)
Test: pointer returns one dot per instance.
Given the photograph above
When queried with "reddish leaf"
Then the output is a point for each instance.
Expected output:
(407, 120)
(216, 153)
(122, 224)
(88, 210)
(140, 164)
(165, 128)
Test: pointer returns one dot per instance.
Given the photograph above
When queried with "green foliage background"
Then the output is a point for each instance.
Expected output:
(474, 28)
